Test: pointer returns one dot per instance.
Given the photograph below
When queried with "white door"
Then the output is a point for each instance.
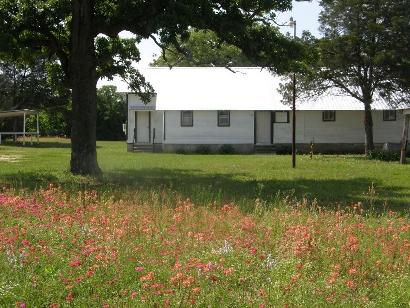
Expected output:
(263, 127)
(142, 126)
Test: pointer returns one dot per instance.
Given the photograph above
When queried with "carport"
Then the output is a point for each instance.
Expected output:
(24, 114)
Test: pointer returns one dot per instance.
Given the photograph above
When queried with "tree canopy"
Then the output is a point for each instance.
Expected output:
(364, 53)
(111, 114)
(202, 48)
(81, 39)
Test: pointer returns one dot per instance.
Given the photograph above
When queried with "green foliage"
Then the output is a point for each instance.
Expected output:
(203, 48)
(111, 114)
(384, 155)
(226, 149)
(364, 51)
(50, 124)
(203, 149)
(27, 85)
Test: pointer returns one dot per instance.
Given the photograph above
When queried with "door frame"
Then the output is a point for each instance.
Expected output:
(136, 126)
(255, 125)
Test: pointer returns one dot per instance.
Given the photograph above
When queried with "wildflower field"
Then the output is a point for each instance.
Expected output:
(128, 240)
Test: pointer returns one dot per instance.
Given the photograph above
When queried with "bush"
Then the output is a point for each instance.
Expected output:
(181, 151)
(203, 149)
(384, 155)
(283, 150)
(226, 149)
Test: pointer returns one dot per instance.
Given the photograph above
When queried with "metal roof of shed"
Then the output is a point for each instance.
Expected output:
(217, 88)
(16, 113)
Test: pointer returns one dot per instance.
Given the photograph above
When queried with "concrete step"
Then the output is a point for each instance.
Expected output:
(143, 148)
(264, 149)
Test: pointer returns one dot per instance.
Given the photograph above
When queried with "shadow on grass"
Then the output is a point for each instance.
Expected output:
(204, 188)
(238, 187)
(41, 144)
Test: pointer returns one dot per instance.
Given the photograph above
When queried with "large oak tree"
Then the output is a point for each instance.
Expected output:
(83, 35)
(204, 49)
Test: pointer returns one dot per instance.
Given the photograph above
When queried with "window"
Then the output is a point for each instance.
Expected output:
(187, 118)
(224, 118)
(281, 117)
(389, 115)
(329, 115)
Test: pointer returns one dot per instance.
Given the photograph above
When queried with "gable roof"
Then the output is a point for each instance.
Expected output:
(217, 88)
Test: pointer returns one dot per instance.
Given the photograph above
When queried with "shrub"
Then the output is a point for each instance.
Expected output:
(384, 155)
(226, 149)
(284, 150)
(180, 151)
(203, 149)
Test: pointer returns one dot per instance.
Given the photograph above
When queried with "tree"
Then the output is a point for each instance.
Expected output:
(203, 48)
(81, 37)
(27, 86)
(364, 53)
(111, 114)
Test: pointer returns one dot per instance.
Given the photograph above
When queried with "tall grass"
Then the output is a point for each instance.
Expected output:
(83, 249)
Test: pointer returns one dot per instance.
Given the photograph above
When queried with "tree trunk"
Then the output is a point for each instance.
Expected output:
(84, 81)
(404, 138)
(368, 127)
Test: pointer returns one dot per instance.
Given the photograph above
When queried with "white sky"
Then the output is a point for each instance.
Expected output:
(305, 13)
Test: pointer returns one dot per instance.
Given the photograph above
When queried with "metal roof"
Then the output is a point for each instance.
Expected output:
(16, 113)
(217, 88)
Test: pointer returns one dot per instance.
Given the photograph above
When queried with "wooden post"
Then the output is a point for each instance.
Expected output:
(24, 128)
(38, 130)
(404, 139)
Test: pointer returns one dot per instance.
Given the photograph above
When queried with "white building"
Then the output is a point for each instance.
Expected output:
(211, 107)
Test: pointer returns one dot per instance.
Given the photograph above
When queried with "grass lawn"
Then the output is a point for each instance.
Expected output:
(163, 230)
(332, 180)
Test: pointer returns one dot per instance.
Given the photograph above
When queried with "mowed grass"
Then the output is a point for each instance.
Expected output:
(331, 180)
(173, 230)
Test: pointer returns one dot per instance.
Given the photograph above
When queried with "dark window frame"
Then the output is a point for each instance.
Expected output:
(386, 117)
(229, 118)
(182, 117)
(333, 119)
(283, 111)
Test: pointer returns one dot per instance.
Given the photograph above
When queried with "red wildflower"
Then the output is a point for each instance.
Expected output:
(69, 297)
(332, 277)
(350, 284)
(196, 290)
(229, 271)
(139, 269)
(188, 281)
(75, 262)
(353, 243)
(25, 243)
(247, 224)
(147, 277)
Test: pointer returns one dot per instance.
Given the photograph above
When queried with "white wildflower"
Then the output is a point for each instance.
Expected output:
(227, 248)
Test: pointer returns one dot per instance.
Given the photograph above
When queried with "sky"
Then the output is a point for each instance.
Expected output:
(305, 13)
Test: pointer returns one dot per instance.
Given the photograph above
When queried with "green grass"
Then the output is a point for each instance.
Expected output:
(331, 180)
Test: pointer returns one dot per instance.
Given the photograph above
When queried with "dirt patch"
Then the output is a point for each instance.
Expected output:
(10, 158)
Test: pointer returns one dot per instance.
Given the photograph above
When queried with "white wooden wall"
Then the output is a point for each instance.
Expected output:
(206, 131)
(348, 128)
